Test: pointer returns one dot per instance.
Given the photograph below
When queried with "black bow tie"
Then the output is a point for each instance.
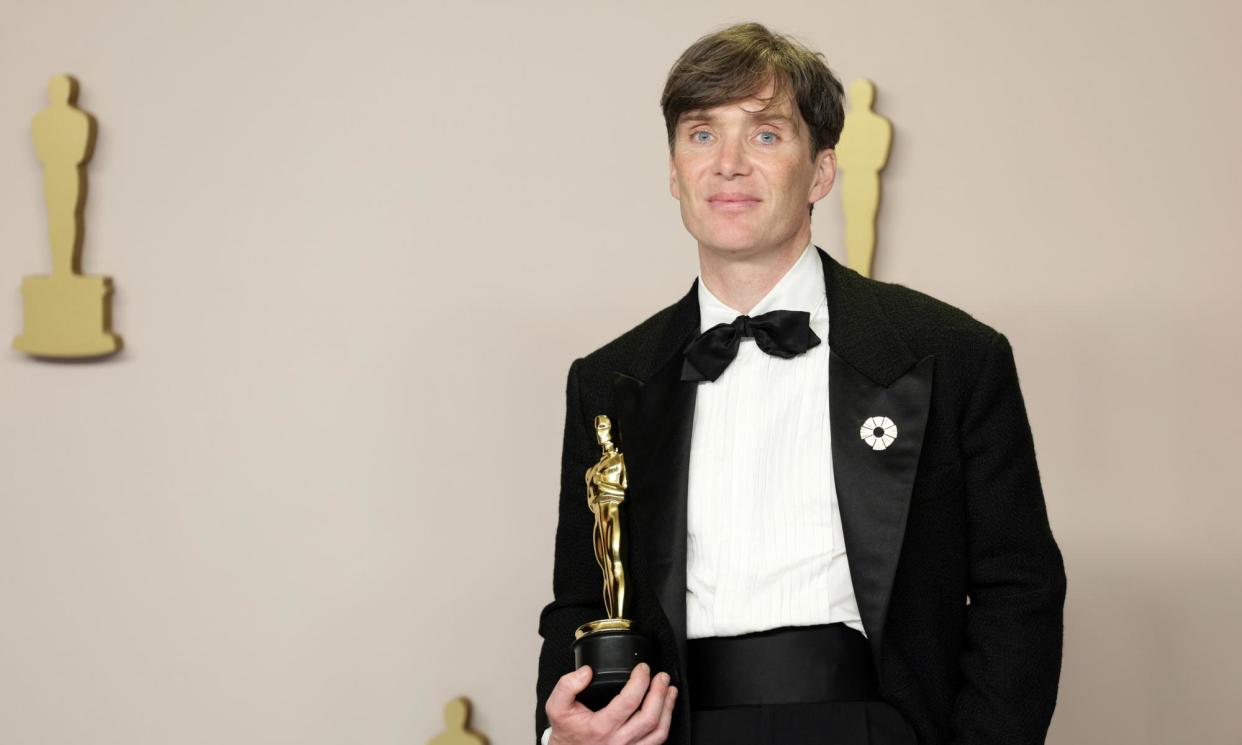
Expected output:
(782, 333)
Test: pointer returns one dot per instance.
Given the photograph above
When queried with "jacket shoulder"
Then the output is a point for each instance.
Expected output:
(633, 351)
(930, 325)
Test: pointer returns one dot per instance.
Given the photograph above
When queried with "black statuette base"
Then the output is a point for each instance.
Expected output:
(612, 655)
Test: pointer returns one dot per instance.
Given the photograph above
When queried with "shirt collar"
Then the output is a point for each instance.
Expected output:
(801, 288)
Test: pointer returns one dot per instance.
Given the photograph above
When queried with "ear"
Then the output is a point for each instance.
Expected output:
(672, 177)
(825, 174)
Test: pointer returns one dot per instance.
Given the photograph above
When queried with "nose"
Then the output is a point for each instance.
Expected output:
(731, 158)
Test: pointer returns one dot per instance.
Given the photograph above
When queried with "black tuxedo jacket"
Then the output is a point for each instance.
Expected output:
(958, 579)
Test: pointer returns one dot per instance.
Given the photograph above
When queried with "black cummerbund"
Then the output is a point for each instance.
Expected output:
(794, 664)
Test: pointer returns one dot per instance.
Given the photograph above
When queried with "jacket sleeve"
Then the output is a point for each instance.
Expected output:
(577, 585)
(1011, 660)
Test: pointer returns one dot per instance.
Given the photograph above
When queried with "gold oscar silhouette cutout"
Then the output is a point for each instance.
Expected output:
(457, 725)
(606, 483)
(66, 314)
(861, 155)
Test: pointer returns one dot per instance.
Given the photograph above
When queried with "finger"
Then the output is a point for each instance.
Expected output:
(565, 694)
(660, 734)
(647, 718)
(627, 700)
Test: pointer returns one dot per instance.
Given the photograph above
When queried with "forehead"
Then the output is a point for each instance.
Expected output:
(751, 107)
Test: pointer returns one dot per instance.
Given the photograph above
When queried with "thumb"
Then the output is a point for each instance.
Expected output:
(565, 694)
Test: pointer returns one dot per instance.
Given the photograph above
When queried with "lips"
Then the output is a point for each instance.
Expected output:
(732, 202)
(732, 197)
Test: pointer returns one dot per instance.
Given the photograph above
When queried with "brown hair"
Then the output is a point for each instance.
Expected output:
(734, 63)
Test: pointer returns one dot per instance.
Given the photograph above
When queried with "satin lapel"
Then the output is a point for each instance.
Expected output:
(657, 455)
(659, 472)
(873, 486)
(872, 373)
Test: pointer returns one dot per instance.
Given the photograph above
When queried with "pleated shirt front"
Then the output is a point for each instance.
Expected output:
(765, 547)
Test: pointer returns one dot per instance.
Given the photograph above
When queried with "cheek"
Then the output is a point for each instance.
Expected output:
(688, 175)
(788, 189)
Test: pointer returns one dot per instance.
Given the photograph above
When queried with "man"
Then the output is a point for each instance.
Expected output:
(837, 530)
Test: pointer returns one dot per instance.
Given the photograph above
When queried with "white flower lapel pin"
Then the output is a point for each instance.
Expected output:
(878, 432)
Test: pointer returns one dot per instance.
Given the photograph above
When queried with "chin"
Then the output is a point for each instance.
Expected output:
(735, 235)
(730, 240)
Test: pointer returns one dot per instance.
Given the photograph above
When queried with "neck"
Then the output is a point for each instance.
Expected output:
(741, 278)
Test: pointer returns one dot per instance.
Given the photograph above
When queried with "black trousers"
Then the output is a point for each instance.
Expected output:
(803, 685)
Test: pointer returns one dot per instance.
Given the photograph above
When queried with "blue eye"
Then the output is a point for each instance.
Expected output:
(695, 136)
(771, 141)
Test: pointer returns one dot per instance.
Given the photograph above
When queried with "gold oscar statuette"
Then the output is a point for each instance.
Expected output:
(610, 645)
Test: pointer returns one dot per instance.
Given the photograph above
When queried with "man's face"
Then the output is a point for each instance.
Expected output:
(744, 176)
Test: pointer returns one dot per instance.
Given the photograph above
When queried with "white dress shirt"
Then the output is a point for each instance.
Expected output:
(765, 547)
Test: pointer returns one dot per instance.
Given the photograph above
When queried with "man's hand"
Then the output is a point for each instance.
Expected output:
(639, 715)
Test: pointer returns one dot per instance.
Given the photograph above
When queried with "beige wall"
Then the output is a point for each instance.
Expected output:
(356, 248)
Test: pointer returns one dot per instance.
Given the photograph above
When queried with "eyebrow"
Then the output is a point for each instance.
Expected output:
(699, 115)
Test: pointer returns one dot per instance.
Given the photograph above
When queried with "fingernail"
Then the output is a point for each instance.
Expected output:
(582, 671)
